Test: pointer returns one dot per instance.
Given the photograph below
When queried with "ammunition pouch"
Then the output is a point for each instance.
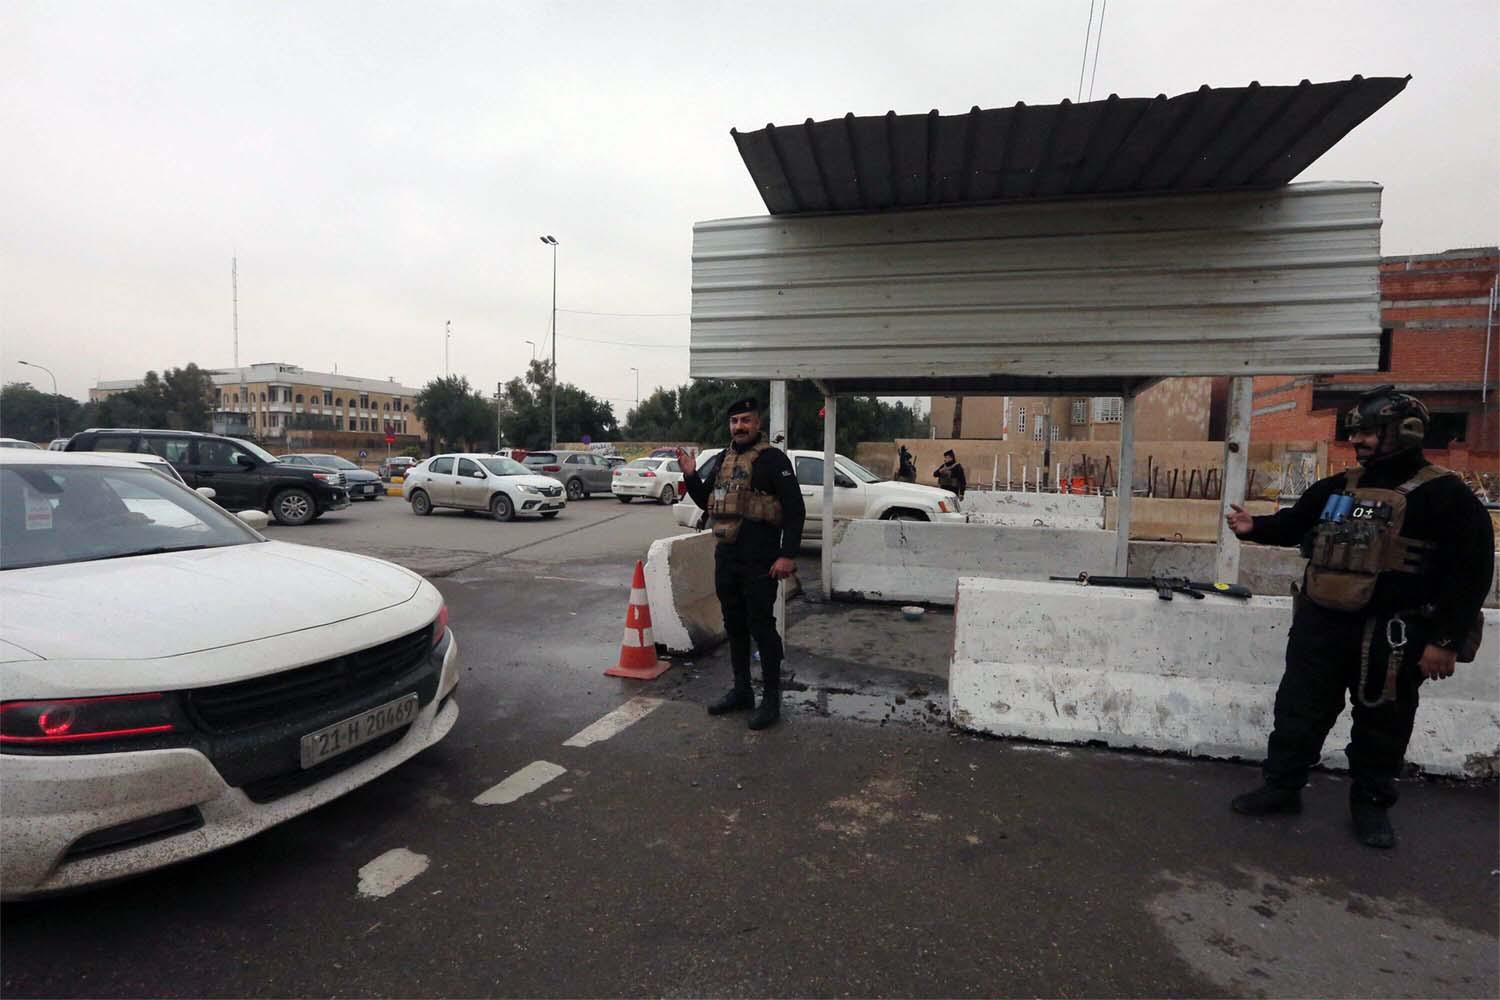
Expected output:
(734, 502)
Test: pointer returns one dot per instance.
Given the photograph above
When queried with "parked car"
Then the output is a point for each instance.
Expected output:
(362, 484)
(242, 475)
(616, 461)
(482, 482)
(858, 493)
(582, 473)
(57, 444)
(18, 443)
(174, 682)
(663, 453)
(657, 479)
(396, 465)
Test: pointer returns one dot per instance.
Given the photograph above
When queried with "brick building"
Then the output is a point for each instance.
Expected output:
(1437, 312)
(1176, 409)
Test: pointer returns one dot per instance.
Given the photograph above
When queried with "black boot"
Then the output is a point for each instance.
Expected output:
(769, 712)
(1266, 800)
(739, 698)
(1372, 824)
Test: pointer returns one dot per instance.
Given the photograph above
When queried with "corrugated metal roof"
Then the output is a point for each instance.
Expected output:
(1213, 139)
(1044, 296)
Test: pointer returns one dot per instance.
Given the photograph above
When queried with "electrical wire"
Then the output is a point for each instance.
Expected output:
(1098, 37)
(1083, 67)
(590, 312)
(622, 343)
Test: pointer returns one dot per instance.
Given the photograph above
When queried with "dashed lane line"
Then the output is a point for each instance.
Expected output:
(390, 871)
(615, 722)
(525, 781)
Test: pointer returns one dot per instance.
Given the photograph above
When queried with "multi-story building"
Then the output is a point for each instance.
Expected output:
(1440, 341)
(268, 400)
(1176, 409)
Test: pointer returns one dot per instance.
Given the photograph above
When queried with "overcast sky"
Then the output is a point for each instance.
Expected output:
(380, 169)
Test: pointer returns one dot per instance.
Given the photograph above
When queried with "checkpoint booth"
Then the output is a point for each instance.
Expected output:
(1074, 249)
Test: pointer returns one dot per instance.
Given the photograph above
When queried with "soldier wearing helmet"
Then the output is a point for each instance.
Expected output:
(1400, 556)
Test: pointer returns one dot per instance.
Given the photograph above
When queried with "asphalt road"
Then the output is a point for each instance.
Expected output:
(859, 849)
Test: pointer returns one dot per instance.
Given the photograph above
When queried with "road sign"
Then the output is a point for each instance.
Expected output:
(363, 453)
(390, 439)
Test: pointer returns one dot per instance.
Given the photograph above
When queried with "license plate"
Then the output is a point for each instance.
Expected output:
(333, 740)
(369, 489)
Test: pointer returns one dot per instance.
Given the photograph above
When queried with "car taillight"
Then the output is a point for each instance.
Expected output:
(440, 625)
(648, 475)
(551, 468)
(616, 473)
(73, 720)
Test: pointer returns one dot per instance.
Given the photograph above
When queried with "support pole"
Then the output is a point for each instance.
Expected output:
(1236, 465)
(830, 421)
(1122, 492)
(779, 436)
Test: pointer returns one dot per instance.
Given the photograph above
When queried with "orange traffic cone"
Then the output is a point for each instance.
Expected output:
(638, 650)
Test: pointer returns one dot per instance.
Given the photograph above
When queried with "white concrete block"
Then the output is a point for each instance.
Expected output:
(685, 612)
(1062, 663)
(920, 561)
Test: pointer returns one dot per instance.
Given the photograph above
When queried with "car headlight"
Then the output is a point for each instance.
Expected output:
(528, 489)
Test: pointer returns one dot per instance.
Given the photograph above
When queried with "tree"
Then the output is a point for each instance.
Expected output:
(32, 415)
(183, 399)
(527, 406)
(455, 414)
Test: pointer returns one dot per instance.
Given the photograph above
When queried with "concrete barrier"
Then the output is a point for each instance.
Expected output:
(1066, 664)
(1010, 508)
(685, 612)
(921, 561)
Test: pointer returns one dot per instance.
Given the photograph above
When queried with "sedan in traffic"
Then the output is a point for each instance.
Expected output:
(504, 488)
(174, 682)
(658, 479)
(361, 483)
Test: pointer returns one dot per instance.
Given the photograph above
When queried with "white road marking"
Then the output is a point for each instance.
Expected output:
(528, 779)
(626, 715)
(389, 872)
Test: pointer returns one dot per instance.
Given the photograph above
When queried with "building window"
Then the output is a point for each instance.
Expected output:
(236, 397)
(1108, 409)
(338, 402)
(1080, 412)
(338, 423)
(262, 397)
(1386, 340)
(327, 398)
(1055, 435)
(364, 402)
(299, 397)
(1038, 428)
(387, 407)
(1021, 420)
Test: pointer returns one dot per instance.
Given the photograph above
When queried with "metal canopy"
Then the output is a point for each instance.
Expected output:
(1213, 139)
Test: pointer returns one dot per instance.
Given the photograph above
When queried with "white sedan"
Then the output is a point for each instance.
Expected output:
(174, 682)
(472, 481)
(658, 479)
(857, 493)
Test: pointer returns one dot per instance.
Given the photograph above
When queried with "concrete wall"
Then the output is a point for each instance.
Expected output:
(1176, 520)
(1011, 508)
(918, 561)
(685, 612)
(1060, 663)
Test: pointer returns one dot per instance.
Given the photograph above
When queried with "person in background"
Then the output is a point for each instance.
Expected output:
(950, 475)
(906, 469)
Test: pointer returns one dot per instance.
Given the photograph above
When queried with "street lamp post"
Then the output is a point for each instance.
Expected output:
(551, 241)
(56, 403)
(637, 387)
(533, 349)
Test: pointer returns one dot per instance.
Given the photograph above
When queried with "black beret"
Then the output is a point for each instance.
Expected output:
(747, 405)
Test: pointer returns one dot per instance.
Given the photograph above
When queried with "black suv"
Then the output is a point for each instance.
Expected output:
(242, 476)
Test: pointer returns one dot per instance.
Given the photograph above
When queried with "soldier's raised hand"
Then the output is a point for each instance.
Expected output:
(686, 462)
(1239, 522)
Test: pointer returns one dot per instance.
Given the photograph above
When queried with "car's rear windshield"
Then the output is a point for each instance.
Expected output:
(541, 457)
(51, 514)
(504, 467)
(646, 463)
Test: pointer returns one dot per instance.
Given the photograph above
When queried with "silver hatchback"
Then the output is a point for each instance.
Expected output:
(582, 473)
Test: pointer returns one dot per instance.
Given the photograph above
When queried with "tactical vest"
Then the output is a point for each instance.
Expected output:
(1359, 537)
(733, 501)
(946, 479)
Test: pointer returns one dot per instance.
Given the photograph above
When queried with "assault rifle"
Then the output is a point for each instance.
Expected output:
(1165, 586)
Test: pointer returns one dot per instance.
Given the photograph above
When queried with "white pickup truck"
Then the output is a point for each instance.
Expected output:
(857, 493)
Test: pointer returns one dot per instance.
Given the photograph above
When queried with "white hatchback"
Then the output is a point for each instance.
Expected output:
(658, 479)
(174, 682)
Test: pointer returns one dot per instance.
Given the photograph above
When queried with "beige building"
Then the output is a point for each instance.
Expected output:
(1177, 409)
(267, 400)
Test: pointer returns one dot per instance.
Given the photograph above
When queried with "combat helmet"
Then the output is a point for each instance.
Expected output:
(1384, 407)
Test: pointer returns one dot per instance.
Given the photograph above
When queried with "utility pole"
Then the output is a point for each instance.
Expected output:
(499, 414)
(56, 401)
(447, 336)
(637, 387)
(551, 241)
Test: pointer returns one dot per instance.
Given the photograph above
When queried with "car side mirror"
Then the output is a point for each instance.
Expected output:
(246, 462)
(257, 519)
(206, 492)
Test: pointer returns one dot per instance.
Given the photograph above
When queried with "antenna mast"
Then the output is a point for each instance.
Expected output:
(234, 281)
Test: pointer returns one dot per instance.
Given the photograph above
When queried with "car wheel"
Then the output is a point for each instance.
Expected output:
(901, 514)
(421, 505)
(668, 496)
(501, 509)
(624, 499)
(293, 507)
(550, 514)
(575, 489)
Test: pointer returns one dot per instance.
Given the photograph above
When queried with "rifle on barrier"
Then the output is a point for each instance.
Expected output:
(1165, 586)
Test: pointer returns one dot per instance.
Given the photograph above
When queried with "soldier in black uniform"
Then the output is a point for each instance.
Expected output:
(951, 476)
(756, 510)
(1400, 555)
